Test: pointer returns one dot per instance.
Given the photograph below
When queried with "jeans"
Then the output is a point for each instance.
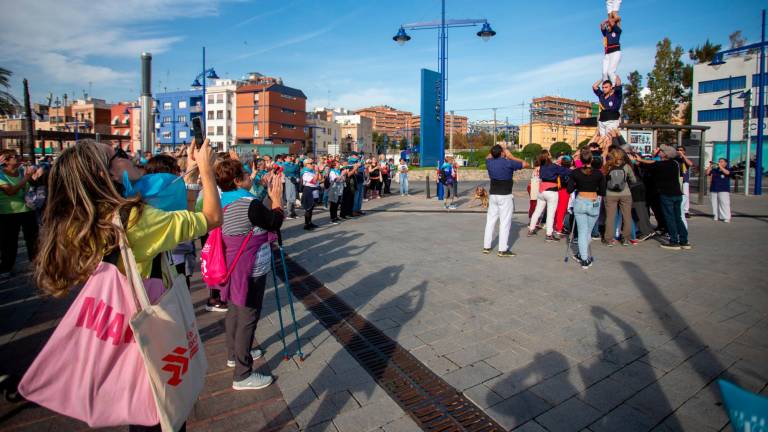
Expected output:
(548, 200)
(633, 229)
(586, 212)
(670, 207)
(290, 196)
(359, 194)
(500, 209)
(325, 197)
(403, 184)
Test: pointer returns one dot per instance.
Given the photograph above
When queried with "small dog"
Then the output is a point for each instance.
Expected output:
(481, 195)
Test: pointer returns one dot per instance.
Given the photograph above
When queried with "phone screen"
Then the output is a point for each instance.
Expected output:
(197, 131)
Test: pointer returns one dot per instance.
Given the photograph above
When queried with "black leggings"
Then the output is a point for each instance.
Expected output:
(334, 210)
(11, 224)
(155, 428)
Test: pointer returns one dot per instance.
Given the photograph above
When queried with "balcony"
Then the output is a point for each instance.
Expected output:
(196, 109)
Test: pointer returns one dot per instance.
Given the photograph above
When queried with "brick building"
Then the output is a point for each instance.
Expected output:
(387, 120)
(456, 123)
(557, 110)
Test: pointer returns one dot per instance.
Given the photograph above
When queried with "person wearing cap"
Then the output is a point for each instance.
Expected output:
(666, 175)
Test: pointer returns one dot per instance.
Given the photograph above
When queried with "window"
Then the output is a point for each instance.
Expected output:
(756, 77)
(182, 134)
(722, 84)
(182, 104)
(182, 118)
(256, 112)
(720, 115)
(166, 105)
(287, 110)
(755, 109)
(166, 119)
(210, 130)
(288, 126)
(210, 99)
(219, 130)
(220, 115)
(220, 98)
(167, 135)
(210, 115)
(229, 115)
(256, 97)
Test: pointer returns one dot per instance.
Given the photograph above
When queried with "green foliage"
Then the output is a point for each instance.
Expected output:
(476, 157)
(705, 53)
(560, 147)
(583, 143)
(665, 84)
(531, 151)
(8, 104)
(633, 102)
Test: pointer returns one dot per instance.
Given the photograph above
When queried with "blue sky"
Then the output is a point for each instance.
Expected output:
(341, 51)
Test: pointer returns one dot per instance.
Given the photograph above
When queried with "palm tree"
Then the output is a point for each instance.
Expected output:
(705, 53)
(8, 104)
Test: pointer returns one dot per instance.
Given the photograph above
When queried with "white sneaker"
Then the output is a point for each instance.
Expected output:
(254, 382)
(727, 220)
(256, 353)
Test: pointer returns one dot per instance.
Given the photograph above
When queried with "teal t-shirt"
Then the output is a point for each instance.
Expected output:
(12, 203)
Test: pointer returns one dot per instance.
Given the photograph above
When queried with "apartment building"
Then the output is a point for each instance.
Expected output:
(387, 120)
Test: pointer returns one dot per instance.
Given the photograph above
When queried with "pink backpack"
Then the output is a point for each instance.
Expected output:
(213, 264)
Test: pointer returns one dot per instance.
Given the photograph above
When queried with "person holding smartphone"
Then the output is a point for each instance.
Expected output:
(720, 188)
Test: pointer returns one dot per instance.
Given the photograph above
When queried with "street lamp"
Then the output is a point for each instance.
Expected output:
(718, 102)
(718, 60)
(205, 75)
(402, 37)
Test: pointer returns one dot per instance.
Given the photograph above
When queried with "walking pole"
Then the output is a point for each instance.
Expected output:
(279, 306)
(290, 296)
(570, 239)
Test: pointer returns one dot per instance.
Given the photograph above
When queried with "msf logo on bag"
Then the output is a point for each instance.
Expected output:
(177, 361)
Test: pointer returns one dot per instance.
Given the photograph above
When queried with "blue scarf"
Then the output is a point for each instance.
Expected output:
(307, 170)
(163, 191)
(229, 197)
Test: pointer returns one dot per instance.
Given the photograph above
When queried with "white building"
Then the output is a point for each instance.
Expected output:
(322, 135)
(356, 133)
(221, 113)
(710, 103)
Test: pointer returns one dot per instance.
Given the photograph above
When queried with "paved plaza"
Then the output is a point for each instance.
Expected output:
(635, 343)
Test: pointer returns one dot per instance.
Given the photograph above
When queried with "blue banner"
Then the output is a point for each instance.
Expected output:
(429, 144)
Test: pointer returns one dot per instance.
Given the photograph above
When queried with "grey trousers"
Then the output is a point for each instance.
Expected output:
(290, 196)
(643, 218)
(240, 323)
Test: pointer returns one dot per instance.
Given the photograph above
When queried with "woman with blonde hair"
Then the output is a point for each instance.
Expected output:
(78, 225)
(618, 177)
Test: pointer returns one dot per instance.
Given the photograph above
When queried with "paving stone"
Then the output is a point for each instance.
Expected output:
(482, 396)
(557, 389)
(471, 376)
(403, 424)
(472, 354)
(518, 409)
(572, 414)
(606, 394)
(369, 417)
(624, 419)
(531, 426)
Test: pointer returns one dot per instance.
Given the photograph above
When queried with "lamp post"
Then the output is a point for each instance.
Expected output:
(200, 81)
(719, 60)
(442, 25)
(719, 102)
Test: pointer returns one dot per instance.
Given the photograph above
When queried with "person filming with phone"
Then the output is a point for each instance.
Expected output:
(720, 188)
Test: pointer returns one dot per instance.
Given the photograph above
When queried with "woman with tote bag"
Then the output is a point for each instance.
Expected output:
(113, 330)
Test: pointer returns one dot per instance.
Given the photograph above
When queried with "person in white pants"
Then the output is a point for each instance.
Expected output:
(685, 167)
(611, 31)
(501, 166)
(612, 6)
(720, 190)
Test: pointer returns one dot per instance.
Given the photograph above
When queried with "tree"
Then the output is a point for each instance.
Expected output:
(531, 151)
(665, 84)
(705, 53)
(633, 100)
(8, 104)
(403, 144)
(736, 39)
(560, 147)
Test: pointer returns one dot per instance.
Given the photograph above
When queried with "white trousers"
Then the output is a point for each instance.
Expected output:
(610, 64)
(500, 209)
(603, 127)
(612, 5)
(548, 200)
(686, 202)
(721, 205)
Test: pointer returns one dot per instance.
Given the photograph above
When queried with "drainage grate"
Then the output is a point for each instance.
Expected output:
(427, 398)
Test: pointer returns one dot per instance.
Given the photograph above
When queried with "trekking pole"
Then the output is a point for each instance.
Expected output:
(279, 306)
(570, 239)
(290, 296)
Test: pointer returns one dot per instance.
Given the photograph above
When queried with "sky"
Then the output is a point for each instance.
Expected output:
(341, 53)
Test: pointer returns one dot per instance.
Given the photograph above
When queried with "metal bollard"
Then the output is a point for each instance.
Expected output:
(428, 197)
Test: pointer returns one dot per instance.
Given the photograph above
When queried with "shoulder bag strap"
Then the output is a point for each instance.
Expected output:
(131, 269)
(239, 253)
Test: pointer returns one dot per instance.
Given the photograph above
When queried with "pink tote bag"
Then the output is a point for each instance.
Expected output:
(91, 368)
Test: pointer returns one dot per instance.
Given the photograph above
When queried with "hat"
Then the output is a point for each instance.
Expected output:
(669, 151)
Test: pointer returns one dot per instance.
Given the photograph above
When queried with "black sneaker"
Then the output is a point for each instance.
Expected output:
(587, 263)
(506, 253)
(644, 237)
(687, 215)
(670, 246)
(308, 227)
(216, 305)
(486, 250)
(551, 238)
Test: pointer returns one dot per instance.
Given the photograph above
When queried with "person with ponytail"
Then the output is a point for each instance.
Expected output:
(589, 185)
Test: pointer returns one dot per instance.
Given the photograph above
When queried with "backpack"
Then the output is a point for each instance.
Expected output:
(446, 175)
(213, 264)
(35, 197)
(617, 179)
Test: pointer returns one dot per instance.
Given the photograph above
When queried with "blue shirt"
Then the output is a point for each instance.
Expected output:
(551, 172)
(501, 172)
(610, 105)
(721, 182)
(611, 38)
(291, 169)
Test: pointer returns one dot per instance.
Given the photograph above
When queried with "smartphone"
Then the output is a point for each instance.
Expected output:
(197, 131)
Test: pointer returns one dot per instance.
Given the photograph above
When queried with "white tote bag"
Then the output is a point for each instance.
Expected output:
(170, 344)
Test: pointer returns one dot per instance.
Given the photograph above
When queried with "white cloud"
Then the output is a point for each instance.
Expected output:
(61, 39)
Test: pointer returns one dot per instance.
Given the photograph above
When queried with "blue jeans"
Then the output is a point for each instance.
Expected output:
(358, 205)
(325, 197)
(403, 184)
(586, 212)
(618, 227)
(670, 207)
